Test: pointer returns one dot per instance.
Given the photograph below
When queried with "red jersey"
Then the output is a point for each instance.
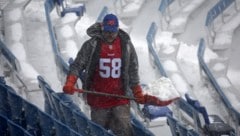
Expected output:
(107, 77)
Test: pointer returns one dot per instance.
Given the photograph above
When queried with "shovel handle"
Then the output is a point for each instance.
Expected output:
(105, 94)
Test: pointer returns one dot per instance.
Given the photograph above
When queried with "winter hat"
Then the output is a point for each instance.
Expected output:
(110, 23)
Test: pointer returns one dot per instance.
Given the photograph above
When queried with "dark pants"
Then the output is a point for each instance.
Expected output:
(116, 119)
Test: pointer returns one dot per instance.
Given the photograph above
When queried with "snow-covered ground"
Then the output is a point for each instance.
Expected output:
(26, 35)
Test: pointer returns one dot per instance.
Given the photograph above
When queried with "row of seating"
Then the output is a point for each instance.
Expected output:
(179, 129)
(213, 124)
(62, 107)
(8, 127)
(204, 123)
(20, 117)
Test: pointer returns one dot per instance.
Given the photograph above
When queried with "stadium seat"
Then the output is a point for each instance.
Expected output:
(68, 115)
(218, 127)
(16, 130)
(4, 105)
(32, 118)
(2, 80)
(64, 97)
(46, 123)
(74, 133)
(16, 106)
(152, 112)
(173, 125)
(3, 125)
(56, 99)
(191, 132)
(48, 105)
(182, 130)
(201, 109)
(190, 100)
(61, 129)
(82, 123)
(139, 129)
(78, 9)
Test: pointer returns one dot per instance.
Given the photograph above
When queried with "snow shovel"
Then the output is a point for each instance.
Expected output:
(106, 94)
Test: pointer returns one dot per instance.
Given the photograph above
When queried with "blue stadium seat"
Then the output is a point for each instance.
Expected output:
(189, 100)
(152, 112)
(16, 130)
(183, 131)
(78, 9)
(139, 129)
(82, 123)
(191, 132)
(3, 125)
(64, 97)
(61, 129)
(74, 133)
(2, 80)
(4, 105)
(212, 128)
(172, 124)
(56, 99)
(32, 118)
(68, 115)
(218, 127)
(16, 106)
(46, 123)
(48, 105)
(201, 109)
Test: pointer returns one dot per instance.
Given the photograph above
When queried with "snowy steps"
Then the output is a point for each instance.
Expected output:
(178, 17)
(224, 26)
(169, 62)
(13, 21)
(16, 20)
(219, 69)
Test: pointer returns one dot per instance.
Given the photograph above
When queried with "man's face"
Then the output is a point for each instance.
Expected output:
(110, 36)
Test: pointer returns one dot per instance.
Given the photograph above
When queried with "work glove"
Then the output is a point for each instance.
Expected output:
(69, 87)
(137, 93)
(149, 99)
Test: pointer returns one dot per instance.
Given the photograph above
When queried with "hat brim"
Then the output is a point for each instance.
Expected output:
(110, 29)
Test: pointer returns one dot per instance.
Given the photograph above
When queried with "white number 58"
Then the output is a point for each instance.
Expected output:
(106, 71)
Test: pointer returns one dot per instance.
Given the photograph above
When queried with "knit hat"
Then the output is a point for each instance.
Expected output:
(110, 23)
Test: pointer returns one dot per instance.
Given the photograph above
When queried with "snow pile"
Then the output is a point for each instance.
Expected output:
(162, 88)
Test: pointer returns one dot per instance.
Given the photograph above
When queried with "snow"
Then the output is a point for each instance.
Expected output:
(165, 41)
(163, 88)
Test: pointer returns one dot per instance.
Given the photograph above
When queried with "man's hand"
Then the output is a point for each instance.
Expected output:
(137, 92)
(69, 87)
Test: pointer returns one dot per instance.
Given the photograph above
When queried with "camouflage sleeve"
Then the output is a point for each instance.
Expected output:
(133, 67)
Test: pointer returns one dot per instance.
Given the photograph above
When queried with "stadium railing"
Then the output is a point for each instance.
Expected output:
(234, 114)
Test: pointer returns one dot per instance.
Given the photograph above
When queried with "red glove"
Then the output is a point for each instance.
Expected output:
(137, 92)
(69, 87)
(148, 99)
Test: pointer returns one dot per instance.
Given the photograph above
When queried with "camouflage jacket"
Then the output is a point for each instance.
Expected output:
(88, 58)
